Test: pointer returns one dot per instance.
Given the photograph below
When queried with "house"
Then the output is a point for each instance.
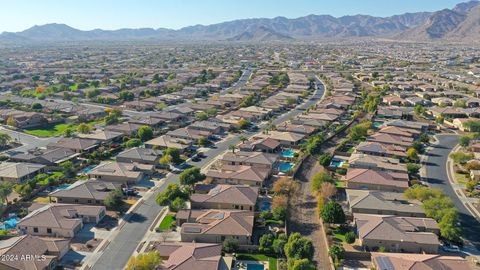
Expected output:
(166, 141)
(301, 129)
(382, 150)
(254, 159)
(37, 253)
(409, 261)
(214, 226)
(47, 157)
(23, 119)
(103, 136)
(286, 139)
(266, 145)
(214, 127)
(128, 128)
(408, 124)
(385, 138)
(139, 155)
(397, 234)
(386, 164)
(17, 172)
(224, 197)
(120, 172)
(382, 203)
(189, 134)
(238, 175)
(59, 220)
(85, 192)
(399, 131)
(375, 180)
(189, 256)
(77, 145)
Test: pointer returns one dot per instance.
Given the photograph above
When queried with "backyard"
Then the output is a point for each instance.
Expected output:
(272, 262)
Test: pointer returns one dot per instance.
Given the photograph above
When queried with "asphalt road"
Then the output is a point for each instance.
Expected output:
(28, 141)
(117, 253)
(436, 176)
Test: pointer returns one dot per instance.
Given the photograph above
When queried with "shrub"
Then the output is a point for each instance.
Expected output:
(350, 237)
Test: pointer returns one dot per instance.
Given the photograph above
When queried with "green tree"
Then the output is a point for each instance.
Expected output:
(5, 140)
(333, 213)
(232, 147)
(191, 176)
(448, 226)
(145, 133)
(171, 192)
(266, 243)
(133, 143)
(278, 244)
(230, 245)
(419, 110)
(359, 131)
(145, 261)
(177, 204)
(68, 133)
(201, 116)
(320, 178)
(412, 154)
(336, 251)
(114, 200)
(325, 159)
(84, 128)
(300, 264)
(298, 247)
(279, 213)
(126, 95)
(413, 168)
(174, 153)
(36, 106)
(6, 189)
(465, 141)
(11, 121)
(350, 237)
(461, 157)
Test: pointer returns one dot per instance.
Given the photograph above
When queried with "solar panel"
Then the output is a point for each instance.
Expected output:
(384, 263)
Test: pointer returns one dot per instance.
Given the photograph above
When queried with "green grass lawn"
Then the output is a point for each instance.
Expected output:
(259, 258)
(339, 233)
(461, 178)
(167, 222)
(49, 131)
(340, 184)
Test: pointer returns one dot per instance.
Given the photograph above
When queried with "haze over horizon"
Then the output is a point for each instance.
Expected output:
(109, 14)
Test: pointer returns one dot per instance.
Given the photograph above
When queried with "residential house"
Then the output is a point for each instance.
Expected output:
(120, 172)
(77, 145)
(139, 155)
(85, 192)
(166, 141)
(378, 163)
(382, 203)
(375, 180)
(254, 159)
(287, 139)
(59, 220)
(238, 175)
(410, 261)
(266, 145)
(48, 157)
(214, 226)
(397, 234)
(224, 197)
(103, 136)
(17, 172)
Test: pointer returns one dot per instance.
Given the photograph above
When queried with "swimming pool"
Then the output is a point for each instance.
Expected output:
(62, 187)
(287, 153)
(284, 166)
(255, 266)
(336, 163)
(9, 223)
(377, 125)
(88, 169)
(265, 206)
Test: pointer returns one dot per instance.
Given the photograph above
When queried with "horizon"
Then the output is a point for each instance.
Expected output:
(127, 14)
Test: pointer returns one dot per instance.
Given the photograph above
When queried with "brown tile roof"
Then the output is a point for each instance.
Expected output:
(228, 194)
(189, 256)
(406, 261)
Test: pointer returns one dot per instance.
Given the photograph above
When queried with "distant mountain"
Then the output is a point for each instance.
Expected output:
(457, 23)
(462, 23)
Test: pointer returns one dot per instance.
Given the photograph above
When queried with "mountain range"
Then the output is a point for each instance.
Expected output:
(460, 24)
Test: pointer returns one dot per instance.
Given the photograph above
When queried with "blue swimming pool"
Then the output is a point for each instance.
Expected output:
(284, 166)
(88, 169)
(252, 266)
(287, 153)
(62, 187)
(336, 163)
(377, 125)
(265, 206)
(9, 223)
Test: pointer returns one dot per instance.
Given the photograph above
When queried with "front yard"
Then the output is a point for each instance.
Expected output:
(167, 222)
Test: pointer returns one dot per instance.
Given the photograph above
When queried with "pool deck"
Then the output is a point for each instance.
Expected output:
(236, 265)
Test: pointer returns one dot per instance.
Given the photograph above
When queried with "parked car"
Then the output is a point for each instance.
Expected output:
(452, 248)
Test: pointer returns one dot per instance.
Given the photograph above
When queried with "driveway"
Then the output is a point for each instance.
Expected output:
(436, 176)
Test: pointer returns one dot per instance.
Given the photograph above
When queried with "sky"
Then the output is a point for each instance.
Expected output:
(18, 15)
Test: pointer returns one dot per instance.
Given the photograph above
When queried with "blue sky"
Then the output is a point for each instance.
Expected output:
(17, 15)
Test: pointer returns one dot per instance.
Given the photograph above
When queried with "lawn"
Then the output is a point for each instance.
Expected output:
(259, 258)
(339, 233)
(42, 200)
(49, 131)
(167, 222)
(340, 184)
(461, 178)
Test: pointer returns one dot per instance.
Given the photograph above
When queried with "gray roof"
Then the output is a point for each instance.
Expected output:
(91, 189)
(140, 154)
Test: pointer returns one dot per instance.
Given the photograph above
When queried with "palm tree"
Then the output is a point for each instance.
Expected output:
(4, 139)
(232, 147)
(243, 138)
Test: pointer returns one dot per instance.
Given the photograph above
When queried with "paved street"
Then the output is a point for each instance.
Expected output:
(120, 249)
(28, 141)
(436, 176)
